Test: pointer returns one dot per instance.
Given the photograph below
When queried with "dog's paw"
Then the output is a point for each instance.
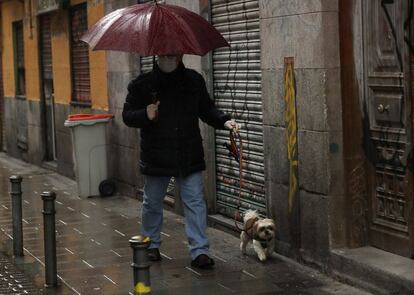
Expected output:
(242, 248)
(262, 257)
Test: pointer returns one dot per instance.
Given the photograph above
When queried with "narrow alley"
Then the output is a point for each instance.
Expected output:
(94, 256)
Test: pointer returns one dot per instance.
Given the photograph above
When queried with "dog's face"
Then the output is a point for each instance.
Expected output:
(265, 229)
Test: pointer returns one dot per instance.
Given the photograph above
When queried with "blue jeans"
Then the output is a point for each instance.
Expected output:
(195, 211)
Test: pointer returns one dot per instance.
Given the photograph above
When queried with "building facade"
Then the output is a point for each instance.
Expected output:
(47, 74)
(322, 89)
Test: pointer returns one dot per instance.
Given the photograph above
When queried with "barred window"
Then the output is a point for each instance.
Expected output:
(81, 86)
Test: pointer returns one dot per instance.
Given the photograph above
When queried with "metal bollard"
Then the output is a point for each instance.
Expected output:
(16, 198)
(141, 264)
(50, 238)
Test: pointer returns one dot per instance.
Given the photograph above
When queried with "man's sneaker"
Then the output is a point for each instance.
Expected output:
(202, 261)
(154, 254)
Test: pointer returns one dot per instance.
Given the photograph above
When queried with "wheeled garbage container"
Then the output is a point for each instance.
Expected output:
(89, 151)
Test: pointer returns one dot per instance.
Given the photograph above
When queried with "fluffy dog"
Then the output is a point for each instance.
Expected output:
(262, 231)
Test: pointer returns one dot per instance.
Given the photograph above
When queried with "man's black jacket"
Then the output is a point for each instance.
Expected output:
(171, 145)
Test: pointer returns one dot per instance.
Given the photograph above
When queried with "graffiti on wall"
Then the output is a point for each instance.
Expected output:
(291, 130)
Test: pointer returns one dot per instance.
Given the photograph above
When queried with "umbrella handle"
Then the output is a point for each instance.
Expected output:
(154, 96)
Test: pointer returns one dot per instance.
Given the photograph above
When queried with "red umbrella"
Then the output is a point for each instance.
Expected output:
(154, 29)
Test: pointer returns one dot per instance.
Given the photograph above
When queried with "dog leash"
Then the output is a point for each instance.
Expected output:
(237, 153)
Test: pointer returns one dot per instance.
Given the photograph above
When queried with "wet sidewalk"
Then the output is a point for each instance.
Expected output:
(94, 256)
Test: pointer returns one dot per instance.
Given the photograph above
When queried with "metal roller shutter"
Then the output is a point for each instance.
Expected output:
(237, 90)
(45, 39)
(80, 55)
(146, 64)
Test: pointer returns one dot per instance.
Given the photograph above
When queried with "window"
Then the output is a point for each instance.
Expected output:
(19, 58)
(81, 88)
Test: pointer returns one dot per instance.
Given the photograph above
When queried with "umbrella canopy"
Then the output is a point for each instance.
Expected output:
(154, 29)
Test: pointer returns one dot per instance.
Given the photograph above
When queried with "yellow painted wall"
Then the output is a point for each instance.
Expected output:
(11, 11)
(15, 10)
(97, 61)
(61, 56)
(31, 52)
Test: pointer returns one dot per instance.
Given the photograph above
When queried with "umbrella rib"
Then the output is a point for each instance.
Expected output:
(117, 25)
(180, 20)
(198, 37)
(93, 39)
(154, 33)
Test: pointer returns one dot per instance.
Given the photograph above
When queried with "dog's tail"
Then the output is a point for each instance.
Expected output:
(250, 214)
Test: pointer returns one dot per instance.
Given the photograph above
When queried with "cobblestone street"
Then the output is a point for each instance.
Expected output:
(12, 281)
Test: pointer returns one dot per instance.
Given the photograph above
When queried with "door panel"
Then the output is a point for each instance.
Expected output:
(47, 86)
(388, 102)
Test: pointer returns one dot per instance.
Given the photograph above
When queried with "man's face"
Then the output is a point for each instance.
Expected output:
(168, 63)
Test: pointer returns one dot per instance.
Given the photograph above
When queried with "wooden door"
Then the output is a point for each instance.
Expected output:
(47, 85)
(387, 113)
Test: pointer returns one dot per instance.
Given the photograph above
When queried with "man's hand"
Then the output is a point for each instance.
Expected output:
(152, 111)
(232, 125)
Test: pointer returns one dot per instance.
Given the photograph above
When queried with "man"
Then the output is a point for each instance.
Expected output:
(166, 105)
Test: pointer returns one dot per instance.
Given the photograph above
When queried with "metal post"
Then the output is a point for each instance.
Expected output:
(50, 238)
(141, 264)
(16, 199)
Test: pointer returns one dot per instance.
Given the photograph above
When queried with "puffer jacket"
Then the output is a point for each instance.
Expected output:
(171, 145)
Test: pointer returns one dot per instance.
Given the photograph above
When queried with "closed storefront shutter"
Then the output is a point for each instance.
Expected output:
(80, 56)
(20, 115)
(47, 86)
(237, 91)
(146, 64)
